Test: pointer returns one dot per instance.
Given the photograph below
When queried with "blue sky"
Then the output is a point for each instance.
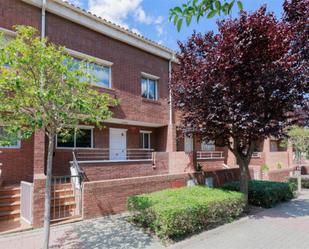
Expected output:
(150, 17)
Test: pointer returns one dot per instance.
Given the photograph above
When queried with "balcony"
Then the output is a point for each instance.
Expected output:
(210, 155)
(256, 154)
(113, 155)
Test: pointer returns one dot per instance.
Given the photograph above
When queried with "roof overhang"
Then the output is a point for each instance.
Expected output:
(133, 122)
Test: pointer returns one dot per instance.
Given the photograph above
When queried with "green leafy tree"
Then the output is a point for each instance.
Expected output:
(43, 88)
(201, 8)
(299, 138)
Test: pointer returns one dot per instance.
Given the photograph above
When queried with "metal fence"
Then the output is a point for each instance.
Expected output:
(92, 155)
(206, 155)
(26, 191)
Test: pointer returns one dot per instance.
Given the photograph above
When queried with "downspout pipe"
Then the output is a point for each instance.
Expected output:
(43, 19)
(170, 93)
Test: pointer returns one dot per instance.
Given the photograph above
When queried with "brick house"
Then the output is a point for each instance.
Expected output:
(136, 151)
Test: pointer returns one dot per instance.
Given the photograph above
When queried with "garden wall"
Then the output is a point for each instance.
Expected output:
(110, 196)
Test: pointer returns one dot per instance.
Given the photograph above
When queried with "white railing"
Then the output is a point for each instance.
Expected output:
(109, 155)
(209, 155)
(256, 155)
(26, 191)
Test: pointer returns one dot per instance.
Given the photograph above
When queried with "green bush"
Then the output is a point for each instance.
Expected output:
(265, 193)
(304, 181)
(179, 212)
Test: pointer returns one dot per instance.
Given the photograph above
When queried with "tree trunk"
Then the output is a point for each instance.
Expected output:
(244, 168)
(48, 190)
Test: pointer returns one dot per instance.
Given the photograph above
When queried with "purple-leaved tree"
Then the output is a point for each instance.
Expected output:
(240, 85)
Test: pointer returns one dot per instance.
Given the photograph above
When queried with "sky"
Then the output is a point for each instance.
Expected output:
(150, 17)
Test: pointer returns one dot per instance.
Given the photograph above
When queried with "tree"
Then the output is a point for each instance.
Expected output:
(42, 87)
(201, 8)
(299, 138)
(240, 85)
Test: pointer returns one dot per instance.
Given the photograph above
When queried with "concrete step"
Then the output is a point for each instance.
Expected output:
(9, 206)
(10, 215)
(9, 198)
(62, 199)
(66, 204)
(9, 191)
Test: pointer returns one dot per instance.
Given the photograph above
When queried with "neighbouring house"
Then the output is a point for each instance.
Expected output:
(138, 150)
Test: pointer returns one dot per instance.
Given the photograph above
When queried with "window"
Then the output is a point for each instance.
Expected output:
(11, 141)
(76, 138)
(102, 74)
(149, 88)
(145, 139)
(210, 146)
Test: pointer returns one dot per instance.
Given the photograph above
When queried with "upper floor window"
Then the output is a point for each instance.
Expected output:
(102, 74)
(76, 138)
(149, 86)
(149, 89)
(11, 141)
(145, 139)
(101, 69)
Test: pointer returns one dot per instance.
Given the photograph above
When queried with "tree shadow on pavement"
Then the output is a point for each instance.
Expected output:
(113, 232)
(295, 208)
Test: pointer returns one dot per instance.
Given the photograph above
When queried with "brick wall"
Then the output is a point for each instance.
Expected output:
(128, 61)
(223, 176)
(17, 164)
(109, 197)
(279, 175)
(211, 165)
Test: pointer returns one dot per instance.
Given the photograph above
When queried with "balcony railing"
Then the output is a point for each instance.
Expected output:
(209, 155)
(110, 155)
(256, 155)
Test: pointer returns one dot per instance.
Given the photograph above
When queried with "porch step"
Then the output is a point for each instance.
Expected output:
(69, 204)
(9, 191)
(10, 203)
(61, 186)
(10, 215)
(62, 199)
(9, 206)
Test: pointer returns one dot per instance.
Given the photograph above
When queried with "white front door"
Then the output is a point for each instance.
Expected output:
(117, 144)
(188, 144)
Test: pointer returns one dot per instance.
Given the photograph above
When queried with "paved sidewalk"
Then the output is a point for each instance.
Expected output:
(112, 232)
(283, 227)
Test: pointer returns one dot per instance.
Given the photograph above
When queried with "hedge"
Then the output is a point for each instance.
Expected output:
(174, 213)
(265, 193)
(304, 181)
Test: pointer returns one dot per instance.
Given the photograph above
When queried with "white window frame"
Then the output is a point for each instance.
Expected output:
(18, 146)
(95, 60)
(149, 139)
(81, 127)
(148, 77)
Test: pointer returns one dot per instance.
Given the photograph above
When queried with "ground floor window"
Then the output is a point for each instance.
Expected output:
(145, 139)
(76, 138)
(8, 140)
(208, 146)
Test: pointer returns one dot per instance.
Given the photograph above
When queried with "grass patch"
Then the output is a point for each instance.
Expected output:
(175, 213)
(265, 194)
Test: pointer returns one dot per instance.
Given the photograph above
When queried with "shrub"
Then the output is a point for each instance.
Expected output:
(304, 181)
(179, 212)
(265, 193)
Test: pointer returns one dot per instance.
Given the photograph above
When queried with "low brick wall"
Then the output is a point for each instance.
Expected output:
(211, 165)
(223, 176)
(110, 196)
(279, 175)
